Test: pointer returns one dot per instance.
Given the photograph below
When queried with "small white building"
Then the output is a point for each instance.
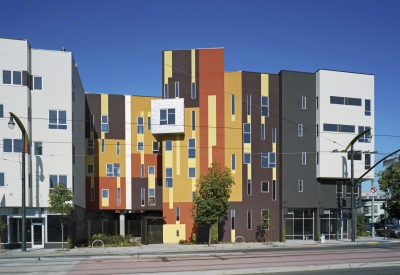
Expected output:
(379, 199)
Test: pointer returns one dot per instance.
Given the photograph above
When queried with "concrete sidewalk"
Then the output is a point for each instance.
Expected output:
(154, 249)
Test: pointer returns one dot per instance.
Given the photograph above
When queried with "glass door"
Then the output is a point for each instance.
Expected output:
(37, 235)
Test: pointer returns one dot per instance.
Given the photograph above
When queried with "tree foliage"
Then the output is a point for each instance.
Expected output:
(213, 191)
(3, 228)
(59, 203)
(389, 182)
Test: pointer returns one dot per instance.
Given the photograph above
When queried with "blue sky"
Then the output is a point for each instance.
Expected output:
(261, 36)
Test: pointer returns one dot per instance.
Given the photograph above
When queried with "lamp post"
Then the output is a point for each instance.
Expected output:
(351, 144)
(25, 137)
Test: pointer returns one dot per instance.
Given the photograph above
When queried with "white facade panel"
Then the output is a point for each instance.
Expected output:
(128, 151)
(157, 126)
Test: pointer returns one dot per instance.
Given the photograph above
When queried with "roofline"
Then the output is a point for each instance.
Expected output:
(93, 93)
(250, 72)
(213, 48)
(341, 71)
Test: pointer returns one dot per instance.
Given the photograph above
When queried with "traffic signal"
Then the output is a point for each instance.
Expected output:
(343, 203)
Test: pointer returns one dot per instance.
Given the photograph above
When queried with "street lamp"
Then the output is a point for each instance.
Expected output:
(11, 125)
(368, 137)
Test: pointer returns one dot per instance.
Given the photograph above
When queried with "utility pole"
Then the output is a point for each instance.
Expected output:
(373, 212)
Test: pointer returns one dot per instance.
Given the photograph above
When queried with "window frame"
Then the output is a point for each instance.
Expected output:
(148, 170)
(300, 130)
(58, 125)
(34, 82)
(13, 145)
(140, 125)
(303, 103)
(191, 177)
(151, 199)
(265, 107)
(113, 170)
(58, 180)
(191, 149)
(304, 158)
(105, 124)
(244, 158)
(301, 186)
(12, 78)
(166, 145)
(176, 89)
(88, 170)
(36, 151)
(169, 183)
(267, 156)
(366, 107)
(248, 105)
(264, 183)
(140, 146)
(247, 134)
(249, 187)
(103, 193)
(168, 116)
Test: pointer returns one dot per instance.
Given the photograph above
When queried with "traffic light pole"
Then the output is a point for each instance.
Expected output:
(373, 213)
(353, 214)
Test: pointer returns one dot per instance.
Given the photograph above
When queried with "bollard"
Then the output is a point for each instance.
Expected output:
(322, 238)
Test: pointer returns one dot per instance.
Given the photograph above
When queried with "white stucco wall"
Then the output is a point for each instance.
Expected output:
(156, 105)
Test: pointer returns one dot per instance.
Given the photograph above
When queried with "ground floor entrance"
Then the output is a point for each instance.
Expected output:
(336, 224)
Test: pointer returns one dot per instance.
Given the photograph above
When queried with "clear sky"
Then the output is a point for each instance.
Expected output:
(261, 36)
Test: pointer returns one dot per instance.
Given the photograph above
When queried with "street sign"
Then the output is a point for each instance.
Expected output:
(373, 190)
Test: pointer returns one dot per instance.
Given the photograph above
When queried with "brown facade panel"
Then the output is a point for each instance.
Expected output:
(137, 185)
(116, 117)
(93, 107)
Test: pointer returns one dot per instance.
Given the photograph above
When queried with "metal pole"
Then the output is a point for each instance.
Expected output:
(373, 213)
(23, 245)
(353, 216)
(386, 195)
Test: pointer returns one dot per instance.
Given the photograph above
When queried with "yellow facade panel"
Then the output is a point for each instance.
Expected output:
(171, 198)
(105, 202)
(173, 233)
(233, 235)
(193, 63)
(178, 155)
(264, 84)
(110, 156)
(167, 66)
(151, 181)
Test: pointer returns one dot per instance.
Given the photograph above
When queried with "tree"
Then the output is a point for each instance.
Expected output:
(389, 182)
(3, 227)
(211, 201)
(361, 225)
(59, 202)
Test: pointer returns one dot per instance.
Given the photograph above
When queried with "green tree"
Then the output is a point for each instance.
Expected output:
(3, 227)
(361, 225)
(59, 203)
(211, 201)
(389, 182)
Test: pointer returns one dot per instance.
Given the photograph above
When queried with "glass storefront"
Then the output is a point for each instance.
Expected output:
(299, 224)
(329, 224)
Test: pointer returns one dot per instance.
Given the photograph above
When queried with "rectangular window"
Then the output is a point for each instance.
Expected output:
(304, 158)
(152, 197)
(268, 160)
(192, 172)
(90, 169)
(91, 123)
(193, 90)
(168, 177)
(193, 120)
(248, 105)
(178, 213)
(113, 170)
(317, 158)
(345, 101)
(246, 158)
(57, 179)
(264, 186)
(233, 106)
(191, 148)
(151, 170)
(142, 170)
(303, 102)
(331, 127)
(57, 119)
(118, 196)
(233, 219)
(12, 145)
(7, 79)
(104, 124)
(249, 219)
(262, 131)
(353, 101)
(337, 100)
(149, 123)
(168, 145)
(176, 89)
(316, 130)
(140, 126)
(92, 194)
(103, 146)
(316, 102)
(368, 107)
(300, 185)
(193, 195)
(264, 106)
(37, 83)
(165, 91)
(339, 189)
(339, 128)
(246, 133)
(118, 148)
(17, 78)
(2, 182)
(167, 116)
(142, 196)
(233, 162)
(274, 190)
(38, 147)
(367, 161)
(1, 111)
(156, 147)
(300, 130)
(363, 138)
(104, 193)
(264, 219)
(248, 187)
(12, 77)
(140, 146)
(347, 128)
(273, 135)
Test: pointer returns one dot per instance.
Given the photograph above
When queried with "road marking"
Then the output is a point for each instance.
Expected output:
(372, 242)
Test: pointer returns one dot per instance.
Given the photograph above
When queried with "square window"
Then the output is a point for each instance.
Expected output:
(264, 186)
(192, 172)
(38, 148)
(168, 145)
(57, 179)
(151, 170)
(7, 145)
(37, 83)
(140, 146)
(167, 116)
(57, 119)
(104, 193)
(247, 158)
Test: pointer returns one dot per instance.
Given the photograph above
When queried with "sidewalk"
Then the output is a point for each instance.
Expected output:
(155, 249)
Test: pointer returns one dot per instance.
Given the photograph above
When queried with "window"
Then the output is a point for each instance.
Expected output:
(339, 189)
(168, 177)
(1, 111)
(92, 194)
(56, 179)
(38, 148)
(264, 186)
(303, 102)
(248, 105)
(353, 101)
(346, 101)
(193, 90)
(367, 161)
(178, 213)
(339, 128)
(368, 107)
(176, 89)
(90, 169)
(37, 83)
(347, 128)
(103, 146)
(317, 158)
(149, 123)
(140, 146)
(156, 147)
(104, 193)
(140, 126)
(12, 77)
(193, 195)
(264, 106)
(165, 91)
(233, 162)
(246, 158)
(246, 133)
(268, 160)
(233, 219)
(118, 196)
(363, 138)
(118, 148)
(193, 120)
(233, 107)
(113, 170)
(192, 172)
(300, 185)
(274, 190)
(262, 131)
(167, 116)
(348, 189)
(249, 219)
(152, 197)
(2, 183)
(91, 123)
(142, 196)
(304, 158)
(168, 145)
(249, 187)
(191, 148)
(273, 135)
(337, 100)
(316, 130)
(142, 170)
(104, 124)
(57, 119)
(264, 219)
(300, 130)
(316, 102)
(89, 147)
(12, 145)
(151, 170)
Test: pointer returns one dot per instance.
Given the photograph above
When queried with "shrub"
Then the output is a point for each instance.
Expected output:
(283, 236)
